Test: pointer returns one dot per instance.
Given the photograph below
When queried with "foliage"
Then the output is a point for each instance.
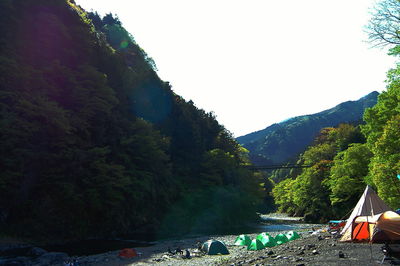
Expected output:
(355, 163)
(310, 192)
(382, 131)
(92, 142)
(348, 177)
(218, 209)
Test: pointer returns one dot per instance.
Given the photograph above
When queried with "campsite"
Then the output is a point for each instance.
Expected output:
(311, 249)
(108, 159)
(358, 242)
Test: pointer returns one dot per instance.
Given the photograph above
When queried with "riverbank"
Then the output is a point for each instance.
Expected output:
(311, 249)
(316, 247)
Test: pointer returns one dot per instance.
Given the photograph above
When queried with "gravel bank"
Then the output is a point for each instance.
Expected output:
(320, 248)
(311, 249)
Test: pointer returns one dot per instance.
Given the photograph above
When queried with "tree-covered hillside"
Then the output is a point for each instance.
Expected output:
(94, 144)
(284, 141)
(332, 184)
(341, 167)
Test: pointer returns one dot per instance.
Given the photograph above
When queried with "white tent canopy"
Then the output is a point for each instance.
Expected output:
(370, 204)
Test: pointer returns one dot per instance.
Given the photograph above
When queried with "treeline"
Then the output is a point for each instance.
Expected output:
(344, 159)
(94, 144)
(333, 182)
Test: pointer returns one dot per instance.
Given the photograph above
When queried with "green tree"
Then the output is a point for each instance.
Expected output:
(381, 130)
(348, 177)
(309, 191)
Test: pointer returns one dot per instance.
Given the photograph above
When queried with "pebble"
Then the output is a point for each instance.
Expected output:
(251, 261)
(315, 252)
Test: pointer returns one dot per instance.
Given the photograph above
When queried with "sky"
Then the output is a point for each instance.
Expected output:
(257, 62)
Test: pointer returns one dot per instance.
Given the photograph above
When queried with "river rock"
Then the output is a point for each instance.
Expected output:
(36, 252)
(310, 246)
(51, 258)
(18, 261)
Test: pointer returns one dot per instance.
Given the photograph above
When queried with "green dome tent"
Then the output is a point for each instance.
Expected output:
(255, 245)
(292, 235)
(262, 235)
(281, 239)
(243, 240)
(268, 241)
(214, 247)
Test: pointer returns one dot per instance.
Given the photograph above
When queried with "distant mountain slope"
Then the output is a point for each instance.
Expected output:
(280, 142)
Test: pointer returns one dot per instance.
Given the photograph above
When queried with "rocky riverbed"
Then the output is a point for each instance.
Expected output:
(314, 248)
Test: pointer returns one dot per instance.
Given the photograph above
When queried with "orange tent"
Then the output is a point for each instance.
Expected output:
(368, 204)
(384, 227)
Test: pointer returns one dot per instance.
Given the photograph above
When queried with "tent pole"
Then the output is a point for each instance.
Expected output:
(369, 235)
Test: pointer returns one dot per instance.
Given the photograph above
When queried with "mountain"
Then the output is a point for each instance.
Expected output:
(283, 141)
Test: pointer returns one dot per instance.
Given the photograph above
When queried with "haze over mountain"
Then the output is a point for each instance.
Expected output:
(283, 141)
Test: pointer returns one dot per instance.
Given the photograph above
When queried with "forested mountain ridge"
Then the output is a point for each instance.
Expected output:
(281, 142)
(94, 144)
(343, 160)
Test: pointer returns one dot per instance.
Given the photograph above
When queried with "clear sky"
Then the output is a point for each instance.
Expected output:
(257, 62)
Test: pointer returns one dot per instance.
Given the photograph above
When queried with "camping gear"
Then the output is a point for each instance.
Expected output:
(381, 228)
(267, 240)
(243, 240)
(390, 251)
(292, 235)
(128, 253)
(336, 224)
(368, 204)
(262, 235)
(397, 211)
(214, 247)
(255, 245)
(281, 239)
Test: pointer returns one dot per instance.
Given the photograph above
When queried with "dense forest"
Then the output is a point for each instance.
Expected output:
(346, 158)
(94, 144)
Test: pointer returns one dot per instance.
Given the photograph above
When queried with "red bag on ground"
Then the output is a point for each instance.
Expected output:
(127, 253)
